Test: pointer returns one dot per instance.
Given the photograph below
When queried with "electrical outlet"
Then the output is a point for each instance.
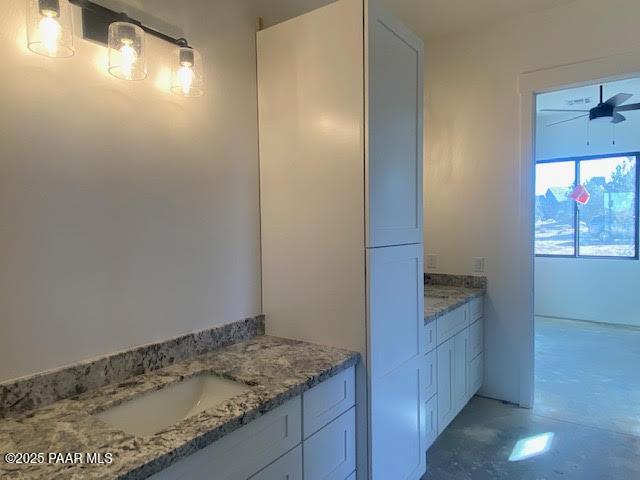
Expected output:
(477, 264)
(431, 262)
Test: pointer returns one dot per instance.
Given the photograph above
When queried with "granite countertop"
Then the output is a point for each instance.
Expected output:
(275, 369)
(441, 299)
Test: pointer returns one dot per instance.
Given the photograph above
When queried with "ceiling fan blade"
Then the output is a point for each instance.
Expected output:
(567, 120)
(560, 110)
(618, 99)
(626, 108)
(617, 118)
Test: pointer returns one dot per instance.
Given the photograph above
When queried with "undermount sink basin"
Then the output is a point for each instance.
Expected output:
(154, 411)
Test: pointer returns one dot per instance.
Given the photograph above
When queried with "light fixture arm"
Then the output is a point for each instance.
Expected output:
(96, 20)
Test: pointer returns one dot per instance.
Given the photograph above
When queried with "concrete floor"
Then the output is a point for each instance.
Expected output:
(588, 373)
(585, 424)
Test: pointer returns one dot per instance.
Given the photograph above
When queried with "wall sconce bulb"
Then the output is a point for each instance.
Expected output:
(49, 28)
(186, 75)
(127, 51)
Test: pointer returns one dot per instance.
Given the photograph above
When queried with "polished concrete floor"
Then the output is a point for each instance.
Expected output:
(585, 424)
(588, 373)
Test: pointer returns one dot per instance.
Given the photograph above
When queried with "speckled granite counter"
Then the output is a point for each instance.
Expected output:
(440, 299)
(276, 370)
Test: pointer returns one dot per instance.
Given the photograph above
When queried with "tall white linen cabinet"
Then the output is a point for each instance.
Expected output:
(340, 94)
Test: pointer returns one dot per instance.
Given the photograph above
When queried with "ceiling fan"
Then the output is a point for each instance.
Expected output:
(604, 111)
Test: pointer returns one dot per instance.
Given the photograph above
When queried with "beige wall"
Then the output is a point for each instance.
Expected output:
(127, 215)
(472, 150)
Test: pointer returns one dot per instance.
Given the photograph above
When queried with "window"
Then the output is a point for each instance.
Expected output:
(587, 207)
(555, 212)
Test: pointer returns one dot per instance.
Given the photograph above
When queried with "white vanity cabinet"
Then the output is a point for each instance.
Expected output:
(273, 447)
(475, 371)
(287, 467)
(459, 363)
(340, 111)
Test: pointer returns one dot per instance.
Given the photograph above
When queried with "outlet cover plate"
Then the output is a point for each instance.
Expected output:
(478, 264)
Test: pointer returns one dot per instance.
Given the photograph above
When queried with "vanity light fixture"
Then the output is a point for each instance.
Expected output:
(50, 33)
(49, 28)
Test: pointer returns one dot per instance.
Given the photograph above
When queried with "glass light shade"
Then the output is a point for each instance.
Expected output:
(50, 28)
(186, 73)
(127, 51)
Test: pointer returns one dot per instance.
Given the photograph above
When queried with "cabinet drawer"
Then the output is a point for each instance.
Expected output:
(330, 454)
(451, 323)
(288, 467)
(328, 400)
(476, 374)
(431, 428)
(476, 338)
(445, 384)
(431, 375)
(244, 452)
(430, 336)
(477, 308)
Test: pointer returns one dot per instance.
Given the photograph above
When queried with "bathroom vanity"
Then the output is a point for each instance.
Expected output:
(454, 339)
(258, 407)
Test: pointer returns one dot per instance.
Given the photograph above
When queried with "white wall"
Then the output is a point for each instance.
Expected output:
(596, 290)
(127, 215)
(472, 170)
(570, 139)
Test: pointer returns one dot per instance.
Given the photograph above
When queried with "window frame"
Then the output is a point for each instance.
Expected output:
(576, 216)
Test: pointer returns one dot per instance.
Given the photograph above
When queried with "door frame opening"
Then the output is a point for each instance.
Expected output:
(531, 84)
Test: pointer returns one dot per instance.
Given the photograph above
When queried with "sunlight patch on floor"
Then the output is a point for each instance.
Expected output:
(531, 447)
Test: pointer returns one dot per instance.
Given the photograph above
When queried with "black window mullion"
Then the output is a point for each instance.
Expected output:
(576, 217)
(637, 195)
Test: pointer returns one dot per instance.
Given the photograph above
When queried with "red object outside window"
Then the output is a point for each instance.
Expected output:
(580, 194)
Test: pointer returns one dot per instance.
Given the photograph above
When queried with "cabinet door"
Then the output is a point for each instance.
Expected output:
(476, 374)
(460, 361)
(445, 385)
(431, 412)
(395, 307)
(431, 375)
(330, 454)
(288, 467)
(394, 71)
(397, 365)
(398, 447)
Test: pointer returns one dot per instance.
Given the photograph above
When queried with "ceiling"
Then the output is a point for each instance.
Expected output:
(432, 18)
(427, 18)
(584, 98)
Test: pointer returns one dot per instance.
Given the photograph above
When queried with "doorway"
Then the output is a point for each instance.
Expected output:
(587, 311)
